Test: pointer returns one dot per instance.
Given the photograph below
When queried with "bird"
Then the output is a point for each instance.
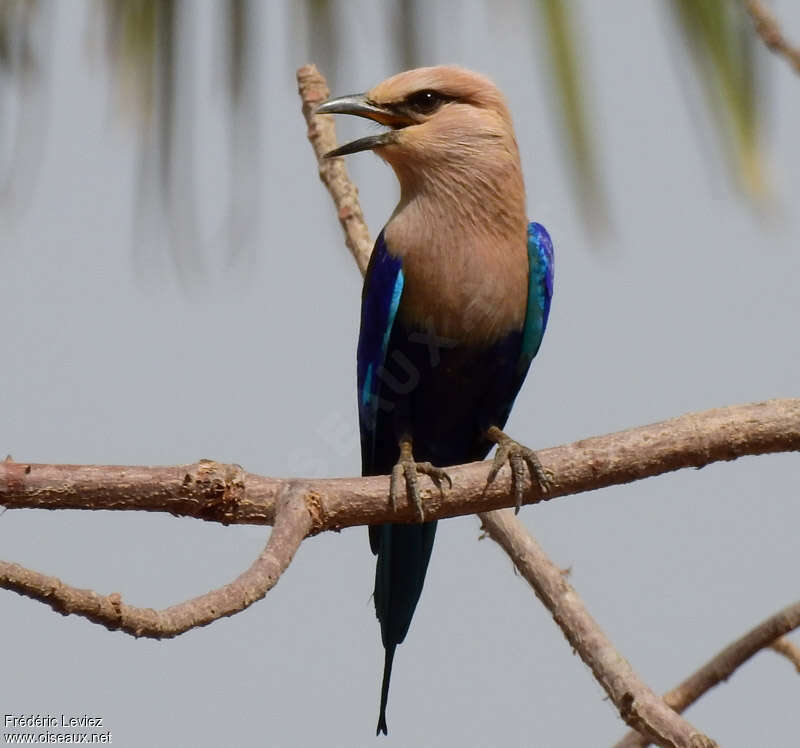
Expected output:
(454, 306)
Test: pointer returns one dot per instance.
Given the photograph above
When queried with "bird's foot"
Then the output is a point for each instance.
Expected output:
(517, 456)
(406, 468)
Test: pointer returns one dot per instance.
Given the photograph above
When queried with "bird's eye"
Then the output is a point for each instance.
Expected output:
(425, 102)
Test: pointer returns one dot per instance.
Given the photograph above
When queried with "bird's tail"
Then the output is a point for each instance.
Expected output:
(387, 674)
(403, 554)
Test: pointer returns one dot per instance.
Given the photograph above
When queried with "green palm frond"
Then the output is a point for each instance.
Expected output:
(722, 44)
(568, 84)
(237, 48)
(408, 34)
(322, 37)
(132, 48)
(16, 49)
(25, 64)
(142, 52)
(244, 126)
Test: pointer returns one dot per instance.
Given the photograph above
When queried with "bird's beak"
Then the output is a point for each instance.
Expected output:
(361, 106)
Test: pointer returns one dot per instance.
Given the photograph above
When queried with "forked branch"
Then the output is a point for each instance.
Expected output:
(768, 633)
(637, 704)
(292, 525)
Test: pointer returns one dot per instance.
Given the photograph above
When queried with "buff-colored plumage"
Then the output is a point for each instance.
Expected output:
(460, 225)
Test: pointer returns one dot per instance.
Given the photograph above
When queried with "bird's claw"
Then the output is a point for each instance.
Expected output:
(407, 469)
(517, 456)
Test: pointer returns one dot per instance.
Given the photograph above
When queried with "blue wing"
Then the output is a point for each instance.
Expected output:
(383, 288)
(540, 292)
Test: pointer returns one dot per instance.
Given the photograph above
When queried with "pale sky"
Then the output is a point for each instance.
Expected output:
(690, 303)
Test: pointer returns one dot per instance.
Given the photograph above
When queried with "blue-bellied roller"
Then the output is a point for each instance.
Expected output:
(455, 303)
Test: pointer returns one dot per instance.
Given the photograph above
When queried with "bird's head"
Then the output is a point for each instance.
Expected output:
(460, 224)
(437, 117)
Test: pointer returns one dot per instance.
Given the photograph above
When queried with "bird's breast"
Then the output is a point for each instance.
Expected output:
(465, 261)
(465, 293)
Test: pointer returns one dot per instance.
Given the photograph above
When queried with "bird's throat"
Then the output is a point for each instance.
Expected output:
(465, 259)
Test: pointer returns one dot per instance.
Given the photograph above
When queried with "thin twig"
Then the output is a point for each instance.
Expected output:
(292, 525)
(723, 664)
(768, 28)
(313, 91)
(638, 705)
(788, 649)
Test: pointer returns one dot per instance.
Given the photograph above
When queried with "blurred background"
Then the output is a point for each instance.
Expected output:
(173, 285)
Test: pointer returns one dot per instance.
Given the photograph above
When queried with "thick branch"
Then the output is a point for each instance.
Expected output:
(768, 28)
(227, 494)
(723, 665)
(292, 525)
(637, 704)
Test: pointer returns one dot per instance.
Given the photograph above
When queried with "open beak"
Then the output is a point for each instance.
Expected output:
(361, 106)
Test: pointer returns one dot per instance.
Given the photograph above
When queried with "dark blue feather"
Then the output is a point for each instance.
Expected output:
(383, 288)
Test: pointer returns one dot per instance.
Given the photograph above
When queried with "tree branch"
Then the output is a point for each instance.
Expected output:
(723, 664)
(638, 705)
(292, 525)
(768, 28)
(788, 649)
(228, 494)
(313, 91)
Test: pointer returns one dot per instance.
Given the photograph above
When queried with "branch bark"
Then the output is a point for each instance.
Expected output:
(230, 495)
(788, 649)
(637, 704)
(723, 664)
(292, 524)
(313, 91)
(768, 28)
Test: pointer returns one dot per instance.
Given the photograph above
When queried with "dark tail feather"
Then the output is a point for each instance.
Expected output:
(387, 674)
(403, 553)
